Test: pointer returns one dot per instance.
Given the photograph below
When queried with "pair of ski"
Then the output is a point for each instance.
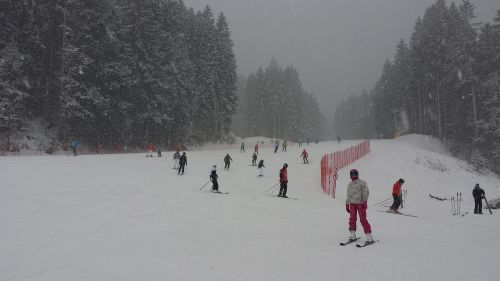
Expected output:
(219, 192)
(293, 198)
(350, 241)
(398, 213)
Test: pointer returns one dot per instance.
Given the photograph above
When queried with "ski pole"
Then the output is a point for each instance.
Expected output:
(204, 185)
(383, 202)
(459, 203)
(452, 206)
(272, 187)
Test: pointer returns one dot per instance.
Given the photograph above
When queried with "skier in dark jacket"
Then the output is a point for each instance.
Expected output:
(478, 194)
(260, 166)
(276, 145)
(283, 181)
(227, 161)
(213, 178)
(254, 159)
(182, 163)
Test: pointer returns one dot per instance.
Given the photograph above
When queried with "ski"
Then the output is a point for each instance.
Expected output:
(219, 192)
(365, 244)
(348, 242)
(293, 198)
(399, 213)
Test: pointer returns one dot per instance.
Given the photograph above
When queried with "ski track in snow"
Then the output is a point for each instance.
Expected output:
(128, 217)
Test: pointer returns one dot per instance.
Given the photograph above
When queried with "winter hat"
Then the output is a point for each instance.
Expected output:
(477, 185)
(285, 165)
(401, 181)
(354, 174)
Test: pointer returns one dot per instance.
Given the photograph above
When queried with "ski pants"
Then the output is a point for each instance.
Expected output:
(305, 160)
(215, 185)
(254, 162)
(261, 172)
(354, 209)
(396, 203)
(478, 205)
(176, 163)
(181, 170)
(226, 166)
(283, 188)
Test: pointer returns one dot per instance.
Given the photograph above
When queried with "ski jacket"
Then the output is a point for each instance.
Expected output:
(283, 175)
(396, 188)
(227, 158)
(177, 155)
(254, 156)
(256, 147)
(261, 164)
(213, 175)
(357, 192)
(183, 160)
(304, 154)
(478, 193)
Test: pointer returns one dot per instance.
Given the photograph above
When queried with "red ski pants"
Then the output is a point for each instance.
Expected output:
(354, 209)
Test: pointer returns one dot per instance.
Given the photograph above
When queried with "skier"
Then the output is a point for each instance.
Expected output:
(283, 181)
(254, 159)
(478, 194)
(256, 149)
(283, 146)
(308, 140)
(260, 166)
(182, 163)
(74, 145)
(213, 178)
(304, 156)
(276, 145)
(177, 156)
(150, 149)
(338, 139)
(159, 151)
(227, 161)
(356, 202)
(242, 147)
(396, 195)
(300, 142)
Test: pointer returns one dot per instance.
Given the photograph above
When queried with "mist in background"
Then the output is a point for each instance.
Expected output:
(337, 46)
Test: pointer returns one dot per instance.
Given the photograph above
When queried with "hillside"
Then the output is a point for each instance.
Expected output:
(128, 217)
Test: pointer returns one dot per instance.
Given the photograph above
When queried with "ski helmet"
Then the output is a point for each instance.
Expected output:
(354, 173)
(401, 181)
(285, 165)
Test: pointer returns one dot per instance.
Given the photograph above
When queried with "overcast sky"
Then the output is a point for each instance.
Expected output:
(337, 46)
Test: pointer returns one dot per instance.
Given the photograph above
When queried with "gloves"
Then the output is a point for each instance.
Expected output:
(365, 205)
(347, 208)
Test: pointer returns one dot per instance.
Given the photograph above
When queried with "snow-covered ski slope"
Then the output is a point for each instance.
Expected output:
(128, 217)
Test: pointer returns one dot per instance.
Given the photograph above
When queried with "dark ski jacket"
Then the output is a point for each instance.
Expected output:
(183, 160)
(254, 156)
(261, 164)
(227, 158)
(213, 175)
(478, 193)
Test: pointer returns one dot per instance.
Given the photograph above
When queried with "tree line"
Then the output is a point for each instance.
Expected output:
(107, 71)
(445, 82)
(274, 104)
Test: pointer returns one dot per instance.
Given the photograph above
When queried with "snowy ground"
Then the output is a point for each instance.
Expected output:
(128, 217)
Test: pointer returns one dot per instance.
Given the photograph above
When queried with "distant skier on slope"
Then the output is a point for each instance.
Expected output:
(478, 194)
(213, 178)
(176, 157)
(304, 156)
(182, 163)
(396, 195)
(254, 159)
(150, 147)
(283, 181)
(276, 145)
(256, 148)
(259, 167)
(242, 147)
(284, 145)
(227, 161)
(356, 202)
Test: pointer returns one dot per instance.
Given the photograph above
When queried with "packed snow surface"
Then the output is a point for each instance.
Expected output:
(128, 217)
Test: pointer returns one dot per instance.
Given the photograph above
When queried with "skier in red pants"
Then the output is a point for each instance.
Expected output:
(356, 203)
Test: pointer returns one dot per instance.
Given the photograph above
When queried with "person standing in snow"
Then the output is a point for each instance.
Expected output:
(159, 151)
(74, 145)
(356, 202)
(176, 156)
(182, 163)
(304, 156)
(276, 145)
(213, 178)
(283, 181)
(259, 167)
(396, 195)
(300, 142)
(478, 194)
(256, 148)
(242, 147)
(227, 161)
(254, 159)
(283, 146)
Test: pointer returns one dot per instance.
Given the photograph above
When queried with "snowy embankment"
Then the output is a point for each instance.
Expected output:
(128, 217)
